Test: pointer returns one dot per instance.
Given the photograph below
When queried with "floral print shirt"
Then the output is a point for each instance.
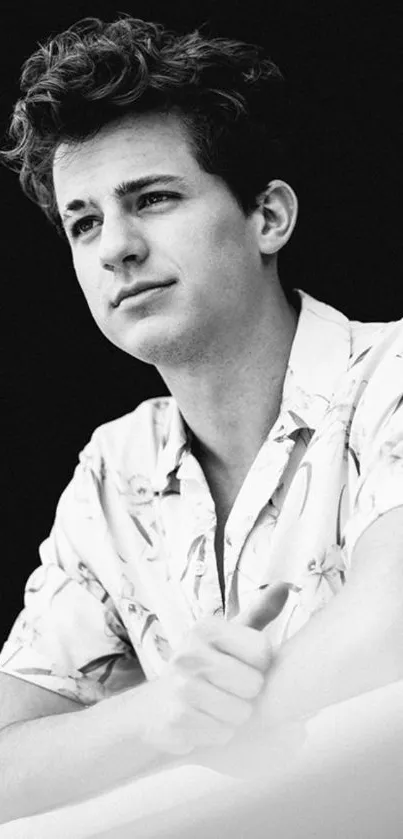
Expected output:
(130, 565)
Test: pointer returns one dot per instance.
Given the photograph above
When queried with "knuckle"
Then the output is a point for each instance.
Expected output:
(190, 691)
(211, 671)
(192, 657)
(263, 654)
(179, 700)
(190, 660)
(246, 682)
(254, 685)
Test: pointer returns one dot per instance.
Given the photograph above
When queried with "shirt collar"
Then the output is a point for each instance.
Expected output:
(318, 358)
(175, 440)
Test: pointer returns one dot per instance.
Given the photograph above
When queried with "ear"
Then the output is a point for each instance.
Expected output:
(276, 216)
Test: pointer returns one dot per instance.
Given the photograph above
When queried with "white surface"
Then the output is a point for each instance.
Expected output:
(135, 800)
(358, 745)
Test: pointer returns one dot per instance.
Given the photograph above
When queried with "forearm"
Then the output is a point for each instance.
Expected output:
(336, 656)
(55, 760)
(58, 759)
(355, 643)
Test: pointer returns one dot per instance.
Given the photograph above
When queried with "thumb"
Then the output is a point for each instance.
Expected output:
(266, 606)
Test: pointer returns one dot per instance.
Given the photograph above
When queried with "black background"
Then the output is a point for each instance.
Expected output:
(344, 65)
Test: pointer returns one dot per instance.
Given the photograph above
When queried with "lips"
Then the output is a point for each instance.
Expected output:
(136, 289)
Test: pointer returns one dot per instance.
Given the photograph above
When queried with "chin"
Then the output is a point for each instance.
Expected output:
(158, 350)
(163, 342)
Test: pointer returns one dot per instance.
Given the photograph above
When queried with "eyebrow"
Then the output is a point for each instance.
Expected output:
(123, 189)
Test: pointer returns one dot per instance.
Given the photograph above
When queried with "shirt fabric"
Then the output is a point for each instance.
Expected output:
(130, 564)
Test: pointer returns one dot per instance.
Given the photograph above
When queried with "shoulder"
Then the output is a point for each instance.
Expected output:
(375, 434)
(372, 343)
(376, 371)
(370, 386)
(131, 442)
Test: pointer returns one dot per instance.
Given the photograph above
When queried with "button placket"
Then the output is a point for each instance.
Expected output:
(254, 496)
(199, 575)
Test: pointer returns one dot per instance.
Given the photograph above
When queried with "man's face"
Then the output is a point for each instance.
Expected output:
(167, 260)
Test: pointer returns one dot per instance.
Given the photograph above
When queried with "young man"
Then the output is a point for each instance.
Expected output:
(274, 469)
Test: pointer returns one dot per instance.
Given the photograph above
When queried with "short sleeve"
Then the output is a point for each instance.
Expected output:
(70, 638)
(377, 439)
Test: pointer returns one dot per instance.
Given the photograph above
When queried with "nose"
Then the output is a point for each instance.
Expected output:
(122, 242)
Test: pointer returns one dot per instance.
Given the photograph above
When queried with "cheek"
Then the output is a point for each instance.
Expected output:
(228, 252)
(217, 228)
(87, 277)
(215, 239)
(79, 270)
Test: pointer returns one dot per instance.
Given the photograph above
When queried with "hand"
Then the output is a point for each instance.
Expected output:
(209, 686)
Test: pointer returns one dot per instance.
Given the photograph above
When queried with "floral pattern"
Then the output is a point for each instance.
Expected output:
(130, 565)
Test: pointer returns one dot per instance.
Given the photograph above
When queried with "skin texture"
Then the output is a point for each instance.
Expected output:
(207, 691)
(210, 685)
(191, 232)
(223, 324)
(223, 321)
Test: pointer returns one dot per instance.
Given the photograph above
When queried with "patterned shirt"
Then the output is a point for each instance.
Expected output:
(130, 564)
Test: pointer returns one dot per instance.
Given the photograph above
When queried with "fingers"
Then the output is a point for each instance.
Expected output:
(222, 706)
(231, 675)
(233, 639)
(236, 677)
(210, 684)
(266, 606)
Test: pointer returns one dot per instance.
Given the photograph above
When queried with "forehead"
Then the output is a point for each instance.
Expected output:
(132, 147)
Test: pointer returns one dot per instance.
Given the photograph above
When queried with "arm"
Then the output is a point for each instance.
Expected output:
(57, 751)
(356, 642)
(354, 645)
(337, 775)
(54, 752)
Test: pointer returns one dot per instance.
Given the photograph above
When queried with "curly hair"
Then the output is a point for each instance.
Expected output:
(230, 97)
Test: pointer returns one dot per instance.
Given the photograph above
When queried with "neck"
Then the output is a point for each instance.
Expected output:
(231, 404)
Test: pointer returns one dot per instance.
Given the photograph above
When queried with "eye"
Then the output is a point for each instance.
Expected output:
(82, 225)
(152, 199)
